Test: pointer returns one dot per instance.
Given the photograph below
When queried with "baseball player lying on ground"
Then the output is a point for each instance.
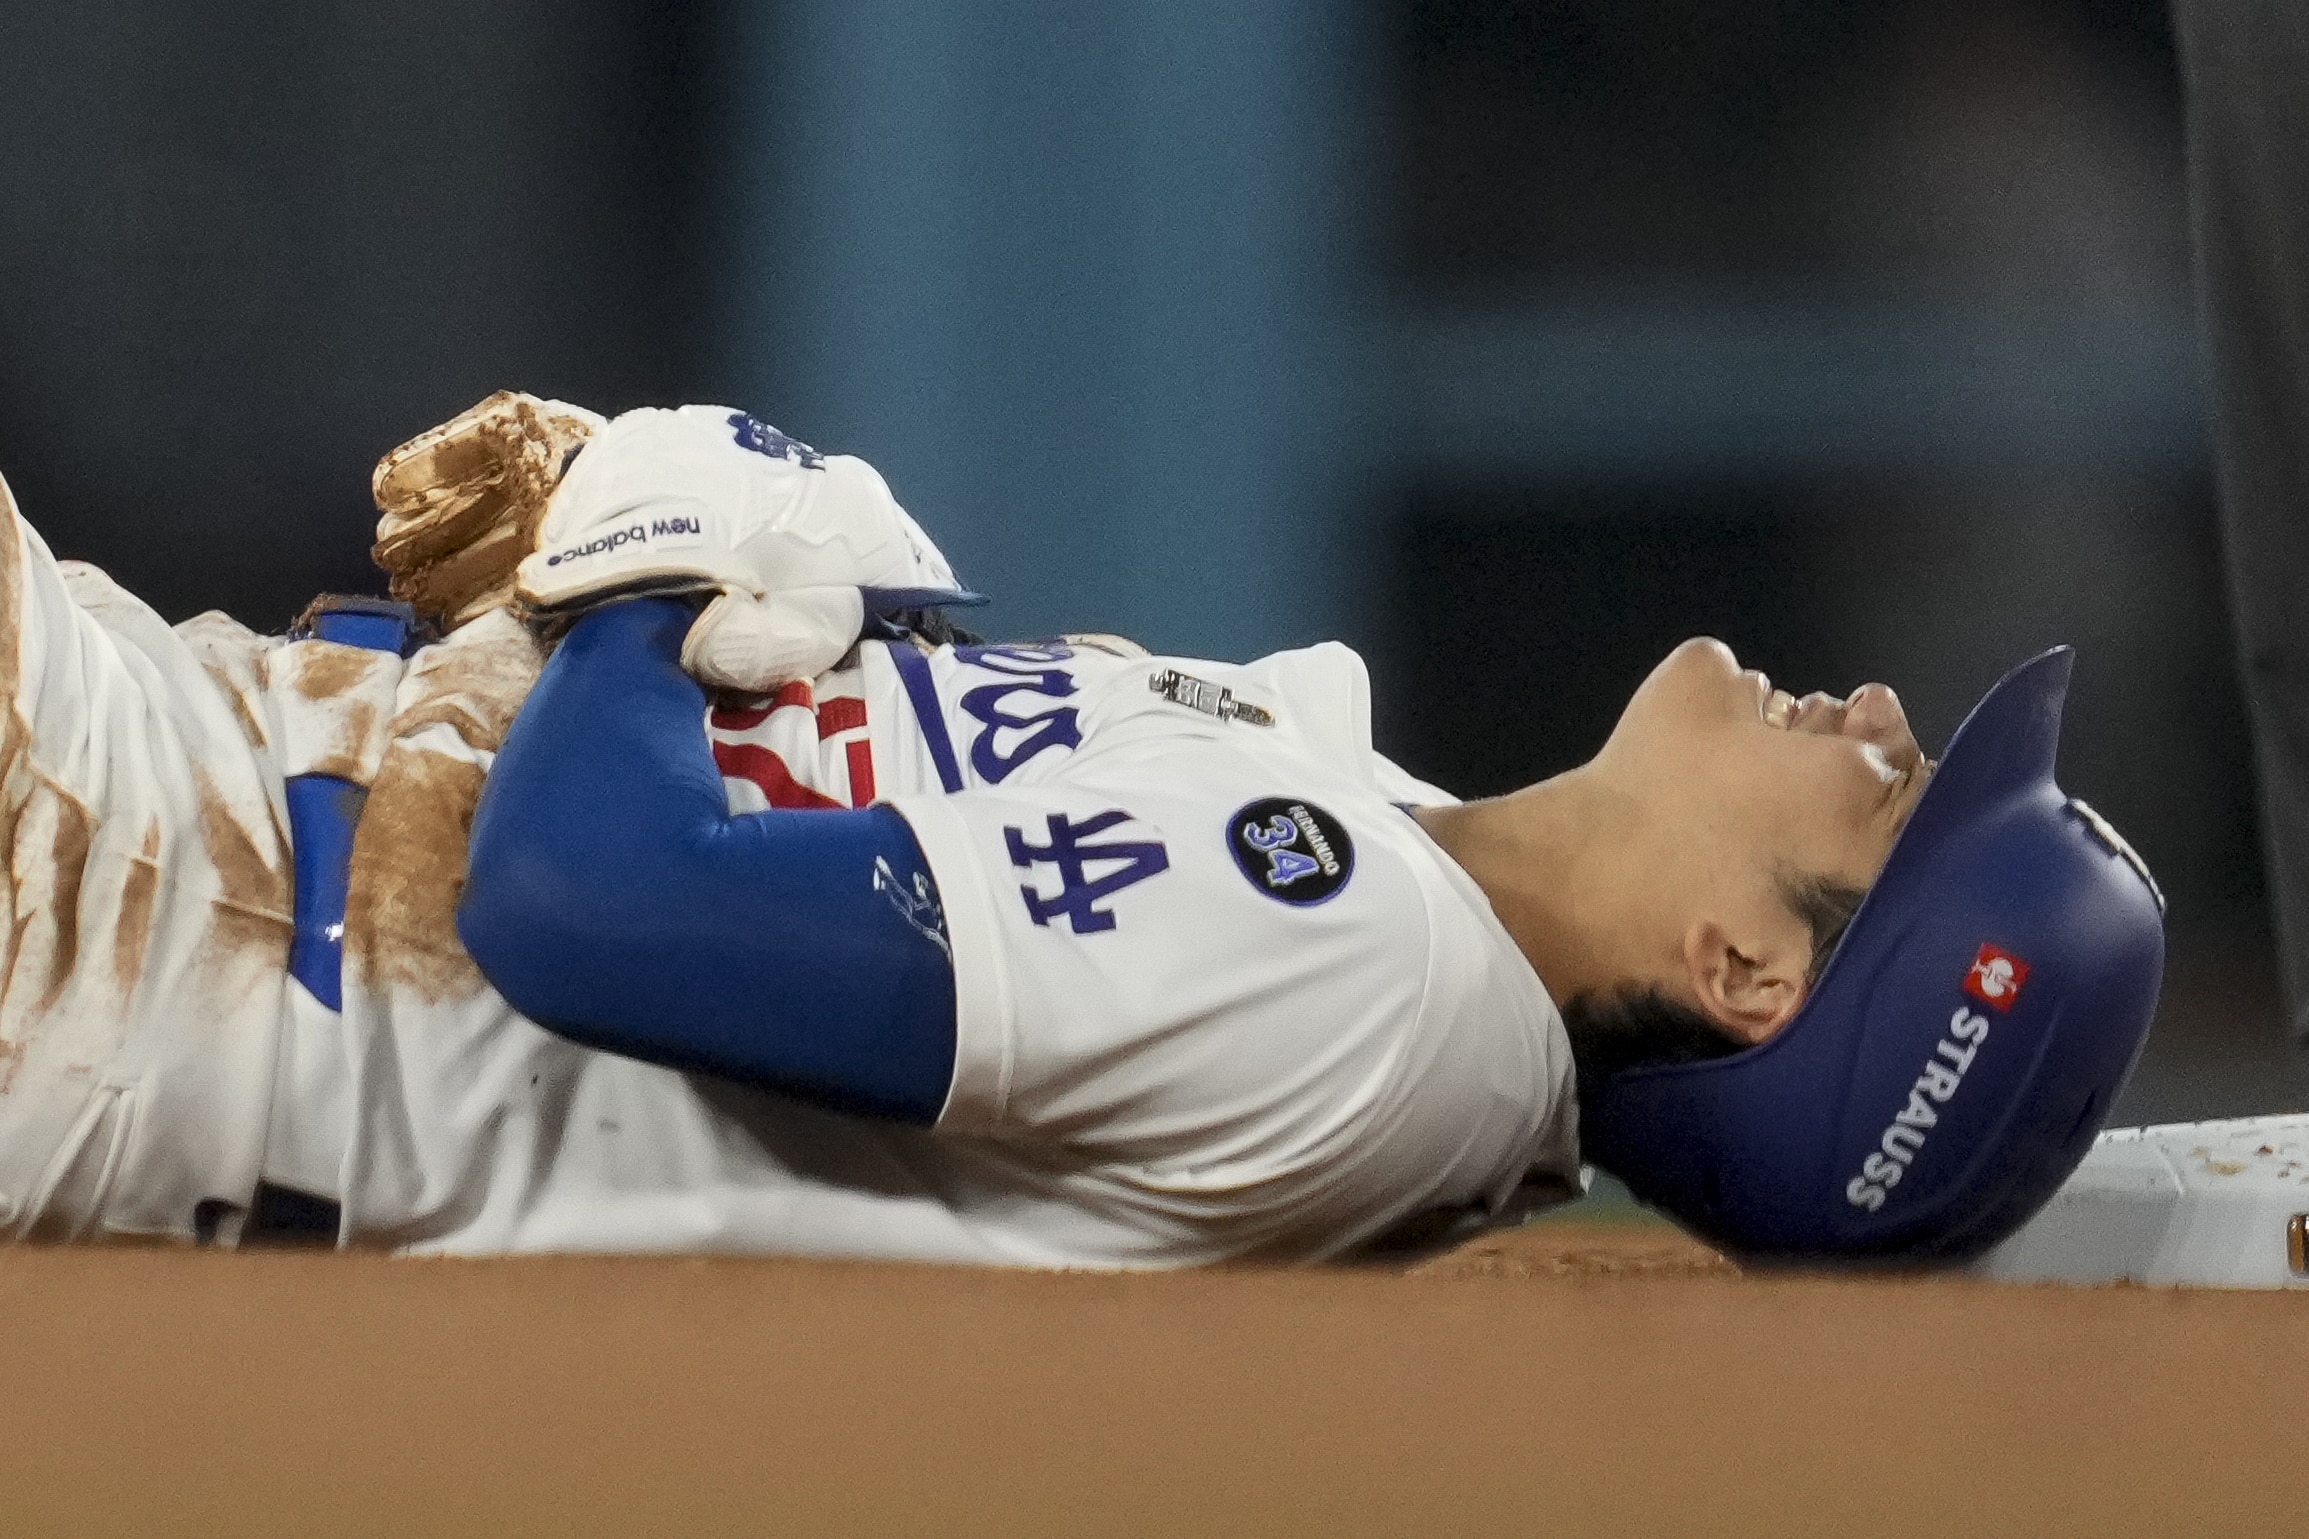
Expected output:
(1049, 953)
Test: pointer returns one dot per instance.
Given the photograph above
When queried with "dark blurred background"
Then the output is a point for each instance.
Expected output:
(1510, 340)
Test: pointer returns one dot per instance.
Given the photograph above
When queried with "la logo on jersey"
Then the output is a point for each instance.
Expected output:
(1996, 977)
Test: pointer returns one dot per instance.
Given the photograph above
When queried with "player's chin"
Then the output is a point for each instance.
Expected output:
(1702, 655)
(1700, 676)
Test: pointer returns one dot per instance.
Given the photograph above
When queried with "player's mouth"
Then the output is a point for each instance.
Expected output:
(1813, 713)
(1776, 706)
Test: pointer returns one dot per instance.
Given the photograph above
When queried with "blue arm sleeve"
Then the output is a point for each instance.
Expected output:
(614, 898)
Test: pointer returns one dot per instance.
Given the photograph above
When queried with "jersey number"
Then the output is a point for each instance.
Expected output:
(1028, 673)
(1284, 865)
(1126, 861)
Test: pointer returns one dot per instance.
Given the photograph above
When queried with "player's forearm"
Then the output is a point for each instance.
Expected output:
(614, 898)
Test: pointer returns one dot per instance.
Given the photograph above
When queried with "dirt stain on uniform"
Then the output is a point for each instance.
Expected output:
(17, 787)
(334, 700)
(409, 853)
(252, 913)
(15, 731)
(409, 873)
(243, 717)
(476, 687)
(15, 738)
(229, 653)
(356, 721)
(68, 860)
(139, 896)
(329, 670)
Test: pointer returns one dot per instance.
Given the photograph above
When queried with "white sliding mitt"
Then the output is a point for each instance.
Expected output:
(706, 497)
(755, 645)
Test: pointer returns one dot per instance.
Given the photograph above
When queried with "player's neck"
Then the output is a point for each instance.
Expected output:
(1552, 860)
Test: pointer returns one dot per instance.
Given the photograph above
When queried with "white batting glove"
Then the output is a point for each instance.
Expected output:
(756, 645)
(707, 497)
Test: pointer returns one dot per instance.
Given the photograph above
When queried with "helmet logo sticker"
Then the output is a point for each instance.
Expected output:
(1996, 977)
(1904, 1136)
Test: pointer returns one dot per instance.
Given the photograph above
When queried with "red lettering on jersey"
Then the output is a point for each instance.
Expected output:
(740, 718)
(762, 766)
(861, 753)
(744, 718)
(1996, 977)
(843, 713)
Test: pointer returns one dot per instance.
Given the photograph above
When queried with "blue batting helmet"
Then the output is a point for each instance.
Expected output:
(1962, 1046)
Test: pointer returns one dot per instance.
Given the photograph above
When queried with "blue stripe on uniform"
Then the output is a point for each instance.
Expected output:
(914, 673)
(324, 810)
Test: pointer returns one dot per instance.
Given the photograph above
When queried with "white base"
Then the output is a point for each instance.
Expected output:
(2207, 1203)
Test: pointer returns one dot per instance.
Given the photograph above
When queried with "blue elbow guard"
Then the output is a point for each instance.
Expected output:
(614, 898)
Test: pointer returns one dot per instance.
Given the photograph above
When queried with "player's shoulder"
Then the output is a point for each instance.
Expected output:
(1310, 703)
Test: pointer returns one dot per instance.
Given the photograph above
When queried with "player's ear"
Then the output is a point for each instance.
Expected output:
(1750, 985)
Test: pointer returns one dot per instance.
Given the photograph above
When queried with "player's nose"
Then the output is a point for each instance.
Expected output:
(1873, 714)
(1817, 712)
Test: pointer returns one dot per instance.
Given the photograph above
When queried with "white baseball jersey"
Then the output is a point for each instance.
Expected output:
(1218, 995)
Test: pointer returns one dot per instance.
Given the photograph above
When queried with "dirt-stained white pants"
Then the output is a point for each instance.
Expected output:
(142, 984)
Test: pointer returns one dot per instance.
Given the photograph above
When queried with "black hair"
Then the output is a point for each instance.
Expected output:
(936, 628)
(1640, 1028)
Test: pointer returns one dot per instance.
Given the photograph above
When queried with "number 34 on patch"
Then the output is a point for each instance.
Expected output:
(1292, 851)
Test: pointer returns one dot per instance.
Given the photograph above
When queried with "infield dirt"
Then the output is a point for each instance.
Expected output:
(1568, 1379)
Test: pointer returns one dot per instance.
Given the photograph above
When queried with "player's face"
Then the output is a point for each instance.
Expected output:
(1743, 785)
(1823, 784)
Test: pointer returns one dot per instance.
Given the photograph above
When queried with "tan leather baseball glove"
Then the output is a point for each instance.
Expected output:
(461, 502)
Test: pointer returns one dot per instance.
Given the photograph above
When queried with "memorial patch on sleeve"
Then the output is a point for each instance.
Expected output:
(1292, 851)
